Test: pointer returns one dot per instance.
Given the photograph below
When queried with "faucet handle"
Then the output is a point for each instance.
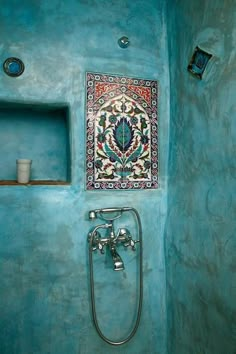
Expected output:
(96, 244)
(101, 247)
(131, 243)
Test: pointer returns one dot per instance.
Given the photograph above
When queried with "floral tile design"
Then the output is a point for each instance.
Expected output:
(122, 149)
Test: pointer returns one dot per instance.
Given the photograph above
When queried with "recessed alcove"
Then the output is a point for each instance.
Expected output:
(36, 132)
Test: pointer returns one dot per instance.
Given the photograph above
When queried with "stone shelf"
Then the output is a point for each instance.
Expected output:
(34, 183)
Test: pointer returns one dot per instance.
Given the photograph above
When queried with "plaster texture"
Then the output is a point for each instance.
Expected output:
(200, 243)
(42, 134)
(45, 306)
(44, 291)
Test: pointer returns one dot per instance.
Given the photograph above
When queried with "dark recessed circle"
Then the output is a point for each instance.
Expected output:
(13, 67)
(124, 42)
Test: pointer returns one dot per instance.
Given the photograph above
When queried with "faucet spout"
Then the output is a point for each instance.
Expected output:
(118, 263)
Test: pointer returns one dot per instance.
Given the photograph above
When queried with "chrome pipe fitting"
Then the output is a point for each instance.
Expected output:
(117, 260)
(111, 241)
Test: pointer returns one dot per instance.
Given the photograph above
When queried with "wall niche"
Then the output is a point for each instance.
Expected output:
(37, 132)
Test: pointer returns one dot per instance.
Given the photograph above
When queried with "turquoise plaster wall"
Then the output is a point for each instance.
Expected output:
(201, 226)
(38, 133)
(44, 292)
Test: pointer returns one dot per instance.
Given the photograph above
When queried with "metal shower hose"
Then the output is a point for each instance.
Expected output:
(132, 333)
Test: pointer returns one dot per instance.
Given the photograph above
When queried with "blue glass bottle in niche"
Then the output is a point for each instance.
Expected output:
(199, 62)
(13, 67)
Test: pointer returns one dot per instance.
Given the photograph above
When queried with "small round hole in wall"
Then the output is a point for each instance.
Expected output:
(124, 42)
(13, 67)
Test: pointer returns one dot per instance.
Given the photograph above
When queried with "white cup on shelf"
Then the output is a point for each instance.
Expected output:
(23, 167)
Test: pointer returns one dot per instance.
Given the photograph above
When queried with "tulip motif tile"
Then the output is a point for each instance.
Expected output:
(122, 139)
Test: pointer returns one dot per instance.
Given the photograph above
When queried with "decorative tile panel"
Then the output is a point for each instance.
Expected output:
(122, 149)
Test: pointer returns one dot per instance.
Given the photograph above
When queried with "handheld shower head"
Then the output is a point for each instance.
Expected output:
(104, 213)
(92, 214)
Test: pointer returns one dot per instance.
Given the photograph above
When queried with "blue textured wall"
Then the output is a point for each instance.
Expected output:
(45, 305)
(200, 233)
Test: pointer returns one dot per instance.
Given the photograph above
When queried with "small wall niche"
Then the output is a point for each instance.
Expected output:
(39, 133)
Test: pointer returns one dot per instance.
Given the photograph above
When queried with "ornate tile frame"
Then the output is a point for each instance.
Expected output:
(122, 133)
